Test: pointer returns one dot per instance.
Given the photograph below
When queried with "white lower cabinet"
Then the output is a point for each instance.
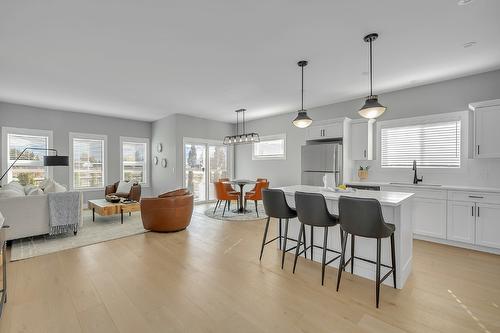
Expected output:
(488, 225)
(461, 221)
(430, 217)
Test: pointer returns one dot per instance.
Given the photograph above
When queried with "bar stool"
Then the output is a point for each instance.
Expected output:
(312, 211)
(363, 217)
(275, 205)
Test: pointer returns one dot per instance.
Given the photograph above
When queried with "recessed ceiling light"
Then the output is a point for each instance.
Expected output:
(470, 44)
(464, 2)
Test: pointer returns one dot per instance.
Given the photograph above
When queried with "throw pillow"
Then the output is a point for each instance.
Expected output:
(124, 187)
(54, 187)
(10, 194)
(15, 186)
(35, 191)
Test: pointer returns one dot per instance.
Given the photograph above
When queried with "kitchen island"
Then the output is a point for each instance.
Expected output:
(396, 208)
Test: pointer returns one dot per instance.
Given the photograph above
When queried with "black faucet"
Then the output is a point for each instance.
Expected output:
(416, 180)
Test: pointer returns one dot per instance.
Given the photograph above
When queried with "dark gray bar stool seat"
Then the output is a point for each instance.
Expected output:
(312, 211)
(363, 217)
(275, 206)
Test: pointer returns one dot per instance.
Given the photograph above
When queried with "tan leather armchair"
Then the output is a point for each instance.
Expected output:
(135, 191)
(171, 211)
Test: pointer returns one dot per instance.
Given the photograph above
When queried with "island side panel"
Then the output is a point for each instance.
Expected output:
(400, 216)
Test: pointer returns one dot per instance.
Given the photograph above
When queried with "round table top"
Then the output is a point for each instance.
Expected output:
(241, 182)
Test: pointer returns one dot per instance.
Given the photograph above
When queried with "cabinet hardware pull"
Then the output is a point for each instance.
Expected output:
(478, 212)
(472, 211)
(475, 197)
(365, 153)
(478, 149)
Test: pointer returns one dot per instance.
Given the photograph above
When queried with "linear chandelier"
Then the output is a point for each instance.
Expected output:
(242, 138)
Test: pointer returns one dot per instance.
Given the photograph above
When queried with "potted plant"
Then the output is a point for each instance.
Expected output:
(363, 172)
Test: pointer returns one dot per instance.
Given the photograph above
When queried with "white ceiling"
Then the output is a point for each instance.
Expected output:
(148, 59)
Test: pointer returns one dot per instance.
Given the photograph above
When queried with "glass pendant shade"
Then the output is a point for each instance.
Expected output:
(372, 108)
(302, 120)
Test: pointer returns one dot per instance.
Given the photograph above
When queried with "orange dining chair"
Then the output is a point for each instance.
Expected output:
(256, 195)
(228, 186)
(258, 180)
(222, 194)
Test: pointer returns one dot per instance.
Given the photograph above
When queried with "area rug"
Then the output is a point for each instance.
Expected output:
(103, 229)
(251, 215)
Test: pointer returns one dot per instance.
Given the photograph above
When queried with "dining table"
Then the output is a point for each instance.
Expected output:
(241, 183)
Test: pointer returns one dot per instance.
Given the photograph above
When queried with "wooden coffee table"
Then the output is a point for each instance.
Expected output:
(106, 208)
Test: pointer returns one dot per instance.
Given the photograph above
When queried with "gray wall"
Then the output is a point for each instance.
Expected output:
(446, 96)
(170, 131)
(63, 122)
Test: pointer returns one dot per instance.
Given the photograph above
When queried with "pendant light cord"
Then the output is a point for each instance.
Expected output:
(371, 70)
(302, 109)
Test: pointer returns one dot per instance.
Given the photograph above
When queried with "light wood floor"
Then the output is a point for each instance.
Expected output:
(209, 279)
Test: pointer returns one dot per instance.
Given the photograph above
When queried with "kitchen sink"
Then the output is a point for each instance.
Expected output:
(419, 184)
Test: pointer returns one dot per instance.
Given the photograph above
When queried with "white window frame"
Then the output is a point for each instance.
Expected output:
(461, 116)
(22, 131)
(270, 157)
(73, 135)
(128, 139)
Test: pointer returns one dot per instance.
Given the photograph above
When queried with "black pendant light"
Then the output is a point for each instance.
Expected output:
(302, 120)
(241, 138)
(372, 108)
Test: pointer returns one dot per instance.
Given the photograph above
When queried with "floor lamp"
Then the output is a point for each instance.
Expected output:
(48, 160)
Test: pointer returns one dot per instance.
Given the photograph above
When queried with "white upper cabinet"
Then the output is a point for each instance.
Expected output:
(329, 129)
(362, 139)
(484, 124)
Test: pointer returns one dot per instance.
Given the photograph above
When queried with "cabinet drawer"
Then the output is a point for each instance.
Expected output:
(419, 193)
(483, 197)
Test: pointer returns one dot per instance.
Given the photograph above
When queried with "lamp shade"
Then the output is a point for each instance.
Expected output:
(55, 160)
(302, 120)
(372, 108)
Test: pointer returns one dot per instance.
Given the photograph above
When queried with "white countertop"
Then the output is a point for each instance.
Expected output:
(420, 185)
(385, 198)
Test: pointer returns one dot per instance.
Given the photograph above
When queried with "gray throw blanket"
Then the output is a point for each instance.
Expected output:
(64, 212)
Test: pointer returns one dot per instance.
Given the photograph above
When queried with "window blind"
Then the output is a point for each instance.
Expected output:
(88, 163)
(432, 145)
(29, 168)
(134, 161)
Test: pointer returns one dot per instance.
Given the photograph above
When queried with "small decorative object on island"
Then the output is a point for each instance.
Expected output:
(244, 137)
(302, 120)
(372, 108)
(159, 147)
(155, 160)
(164, 162)
(363, 172)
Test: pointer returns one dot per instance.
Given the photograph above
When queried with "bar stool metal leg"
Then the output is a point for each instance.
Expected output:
(297, 249)
(352, 254)
(342, 260)
(264, 239)
(285, 236)
(280, 233)
(312, 241)
(304, 240)
(377, 293)
(393, 257)
(325, 242)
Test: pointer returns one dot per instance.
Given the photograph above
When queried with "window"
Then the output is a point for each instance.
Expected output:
(88, 161)
(432, 145)
(271, 147)
(29, 168)
(134, 159)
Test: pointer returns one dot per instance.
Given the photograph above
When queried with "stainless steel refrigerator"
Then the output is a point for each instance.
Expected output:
(318, 159)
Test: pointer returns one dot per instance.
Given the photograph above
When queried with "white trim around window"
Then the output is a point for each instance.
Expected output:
(146, 159)
(6, 131)
(103, 139)
(259, 152)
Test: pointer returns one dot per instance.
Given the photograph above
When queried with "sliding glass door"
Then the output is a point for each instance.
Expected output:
(205, 162)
